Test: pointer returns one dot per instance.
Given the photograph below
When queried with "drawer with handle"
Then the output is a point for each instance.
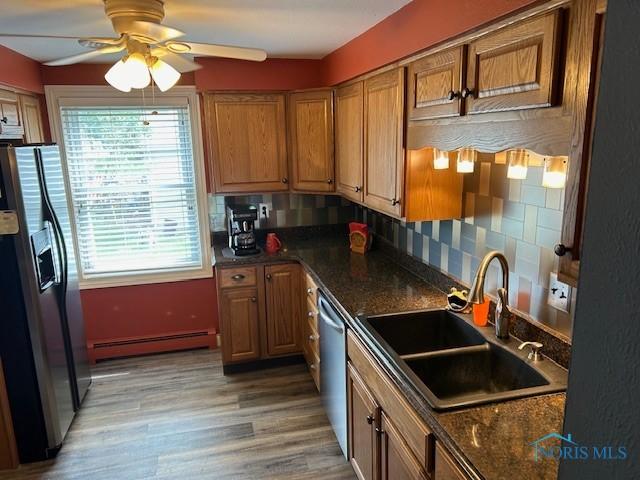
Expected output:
(238, 277)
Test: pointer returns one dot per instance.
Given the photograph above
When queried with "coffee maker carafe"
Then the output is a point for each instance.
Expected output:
(242, 238)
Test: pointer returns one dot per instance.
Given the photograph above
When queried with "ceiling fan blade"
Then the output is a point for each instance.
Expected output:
(81, 57)
(99, 42)
(210, 50)
(180, 63)
(20, 35)
(149, 32)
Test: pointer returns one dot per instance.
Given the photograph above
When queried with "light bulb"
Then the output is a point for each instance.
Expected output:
(137, 71)
(554, 174)
(466, 160)
(440, 159)
(517, 161)
(118, 77)
(164, 75)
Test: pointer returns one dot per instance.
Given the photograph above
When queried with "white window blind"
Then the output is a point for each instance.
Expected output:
(133, 185)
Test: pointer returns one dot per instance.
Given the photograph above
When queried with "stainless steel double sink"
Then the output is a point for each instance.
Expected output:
(453, 363)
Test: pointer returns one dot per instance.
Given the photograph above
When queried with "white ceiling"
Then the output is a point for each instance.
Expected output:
(284, 28)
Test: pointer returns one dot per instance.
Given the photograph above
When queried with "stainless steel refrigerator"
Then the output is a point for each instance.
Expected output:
(42, 338)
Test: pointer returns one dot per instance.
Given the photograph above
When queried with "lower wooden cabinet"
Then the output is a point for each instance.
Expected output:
(283, 299)
(446, 467)
(396, 460)
(363, 417)
(260, 309)
(240, 316)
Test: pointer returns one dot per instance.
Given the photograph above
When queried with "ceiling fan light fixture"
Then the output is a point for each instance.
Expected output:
(164, 75)
(137, 71)
(118, 77)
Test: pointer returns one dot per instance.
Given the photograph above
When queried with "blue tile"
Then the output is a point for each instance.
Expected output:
(455, 263)
(512, 228)
(495, 241)
(446, 231)
(427, 228)
(402, 238)
(513, 210)
(468, 245)
(482, 217)
(417, 244)
(434, 253)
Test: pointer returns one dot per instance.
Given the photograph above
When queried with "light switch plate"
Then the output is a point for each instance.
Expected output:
(263, 210)
(559, 294)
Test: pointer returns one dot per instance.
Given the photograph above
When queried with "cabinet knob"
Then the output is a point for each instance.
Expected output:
(237, 277)
(254, 299)
(268, 276)
(312, 338)
(451, 95)
(467, 92)
(561, 250)
(369, 419)
(379, 431)
(310, 291)
(310, 314)
(357, 189)
(313, 366)
(395, 201)
(4, 120)
(285, 180)
(329, 181)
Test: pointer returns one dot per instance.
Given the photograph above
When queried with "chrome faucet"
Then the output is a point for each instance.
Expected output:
(476, 294)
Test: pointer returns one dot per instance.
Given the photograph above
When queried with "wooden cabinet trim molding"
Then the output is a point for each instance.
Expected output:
(392, 442)
(446, 468)
(311, 141)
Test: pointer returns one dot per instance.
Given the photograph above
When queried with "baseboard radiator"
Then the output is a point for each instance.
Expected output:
(143, 345)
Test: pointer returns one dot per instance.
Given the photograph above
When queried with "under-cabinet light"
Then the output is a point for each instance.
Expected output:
(466, 160)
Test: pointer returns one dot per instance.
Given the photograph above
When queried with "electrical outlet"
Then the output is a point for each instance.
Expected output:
(559, 293)
(263, 210)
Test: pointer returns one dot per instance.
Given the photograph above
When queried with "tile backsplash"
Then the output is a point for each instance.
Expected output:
(285, 209)
(517, 217)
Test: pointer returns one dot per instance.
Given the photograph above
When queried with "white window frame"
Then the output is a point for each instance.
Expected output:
(58, 96)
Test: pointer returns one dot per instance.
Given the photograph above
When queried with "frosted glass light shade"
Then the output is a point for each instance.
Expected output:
(517, 161)
(164, 75)
(554, 174)
(118, 77)
(466, 160)
(137, 71)
(440, 159)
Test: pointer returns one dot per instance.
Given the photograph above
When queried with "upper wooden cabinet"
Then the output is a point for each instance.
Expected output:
(284, 305)
(247, 135)
(311, 141)
(434, 85)
(383, 139)
(349, 141)
(515, 67)
(10, 119)
(32, 119)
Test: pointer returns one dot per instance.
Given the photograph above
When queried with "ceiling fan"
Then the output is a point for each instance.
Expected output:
(151, 49)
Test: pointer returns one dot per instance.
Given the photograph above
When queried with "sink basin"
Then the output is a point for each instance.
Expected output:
(454, 364)
(425, 331)
(485, 374)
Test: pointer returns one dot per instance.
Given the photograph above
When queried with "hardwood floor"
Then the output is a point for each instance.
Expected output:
(175, 416)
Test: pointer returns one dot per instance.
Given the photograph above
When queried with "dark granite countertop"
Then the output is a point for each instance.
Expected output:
(490, 441)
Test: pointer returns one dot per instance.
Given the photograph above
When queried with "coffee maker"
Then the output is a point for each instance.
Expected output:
(242, 237)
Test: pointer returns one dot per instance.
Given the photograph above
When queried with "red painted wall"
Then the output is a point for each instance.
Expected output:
(19, 71)
(272, 74)
(418, 25)
(87, 74)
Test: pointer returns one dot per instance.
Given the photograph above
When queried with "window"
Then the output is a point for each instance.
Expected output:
(135, 189)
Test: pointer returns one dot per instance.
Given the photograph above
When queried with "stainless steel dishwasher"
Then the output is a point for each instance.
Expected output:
(333, 368)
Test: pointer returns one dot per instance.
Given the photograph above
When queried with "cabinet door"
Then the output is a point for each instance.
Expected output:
(446, 467)
(362, 416)
(384, 152)
(349, 141)
(247, 135)
(434, 86)
(396, 460)
(283, 293)
(515, 67)
(239, 315)
(311, 140)
(32, 119)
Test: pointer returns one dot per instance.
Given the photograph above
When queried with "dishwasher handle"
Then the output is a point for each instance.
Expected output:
(326, 311)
